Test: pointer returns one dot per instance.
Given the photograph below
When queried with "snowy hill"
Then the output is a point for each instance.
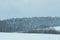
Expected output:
(57, 28)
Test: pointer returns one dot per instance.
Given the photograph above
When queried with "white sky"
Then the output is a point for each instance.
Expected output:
(28, 8)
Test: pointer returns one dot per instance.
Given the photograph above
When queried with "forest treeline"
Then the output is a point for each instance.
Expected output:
(30, 25)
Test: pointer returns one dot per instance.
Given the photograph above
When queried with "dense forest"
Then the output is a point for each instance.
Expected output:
(30, 25)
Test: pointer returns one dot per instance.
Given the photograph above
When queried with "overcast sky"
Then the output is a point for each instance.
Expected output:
(29, 8)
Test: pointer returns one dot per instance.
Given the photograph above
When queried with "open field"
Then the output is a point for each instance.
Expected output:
(25, 36)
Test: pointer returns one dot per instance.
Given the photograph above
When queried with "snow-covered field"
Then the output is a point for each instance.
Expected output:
(25, 36)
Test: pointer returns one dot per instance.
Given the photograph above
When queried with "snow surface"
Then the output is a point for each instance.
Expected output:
(25, 36)
(57, 28)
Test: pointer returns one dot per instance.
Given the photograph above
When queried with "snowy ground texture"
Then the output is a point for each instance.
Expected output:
(25, 36)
